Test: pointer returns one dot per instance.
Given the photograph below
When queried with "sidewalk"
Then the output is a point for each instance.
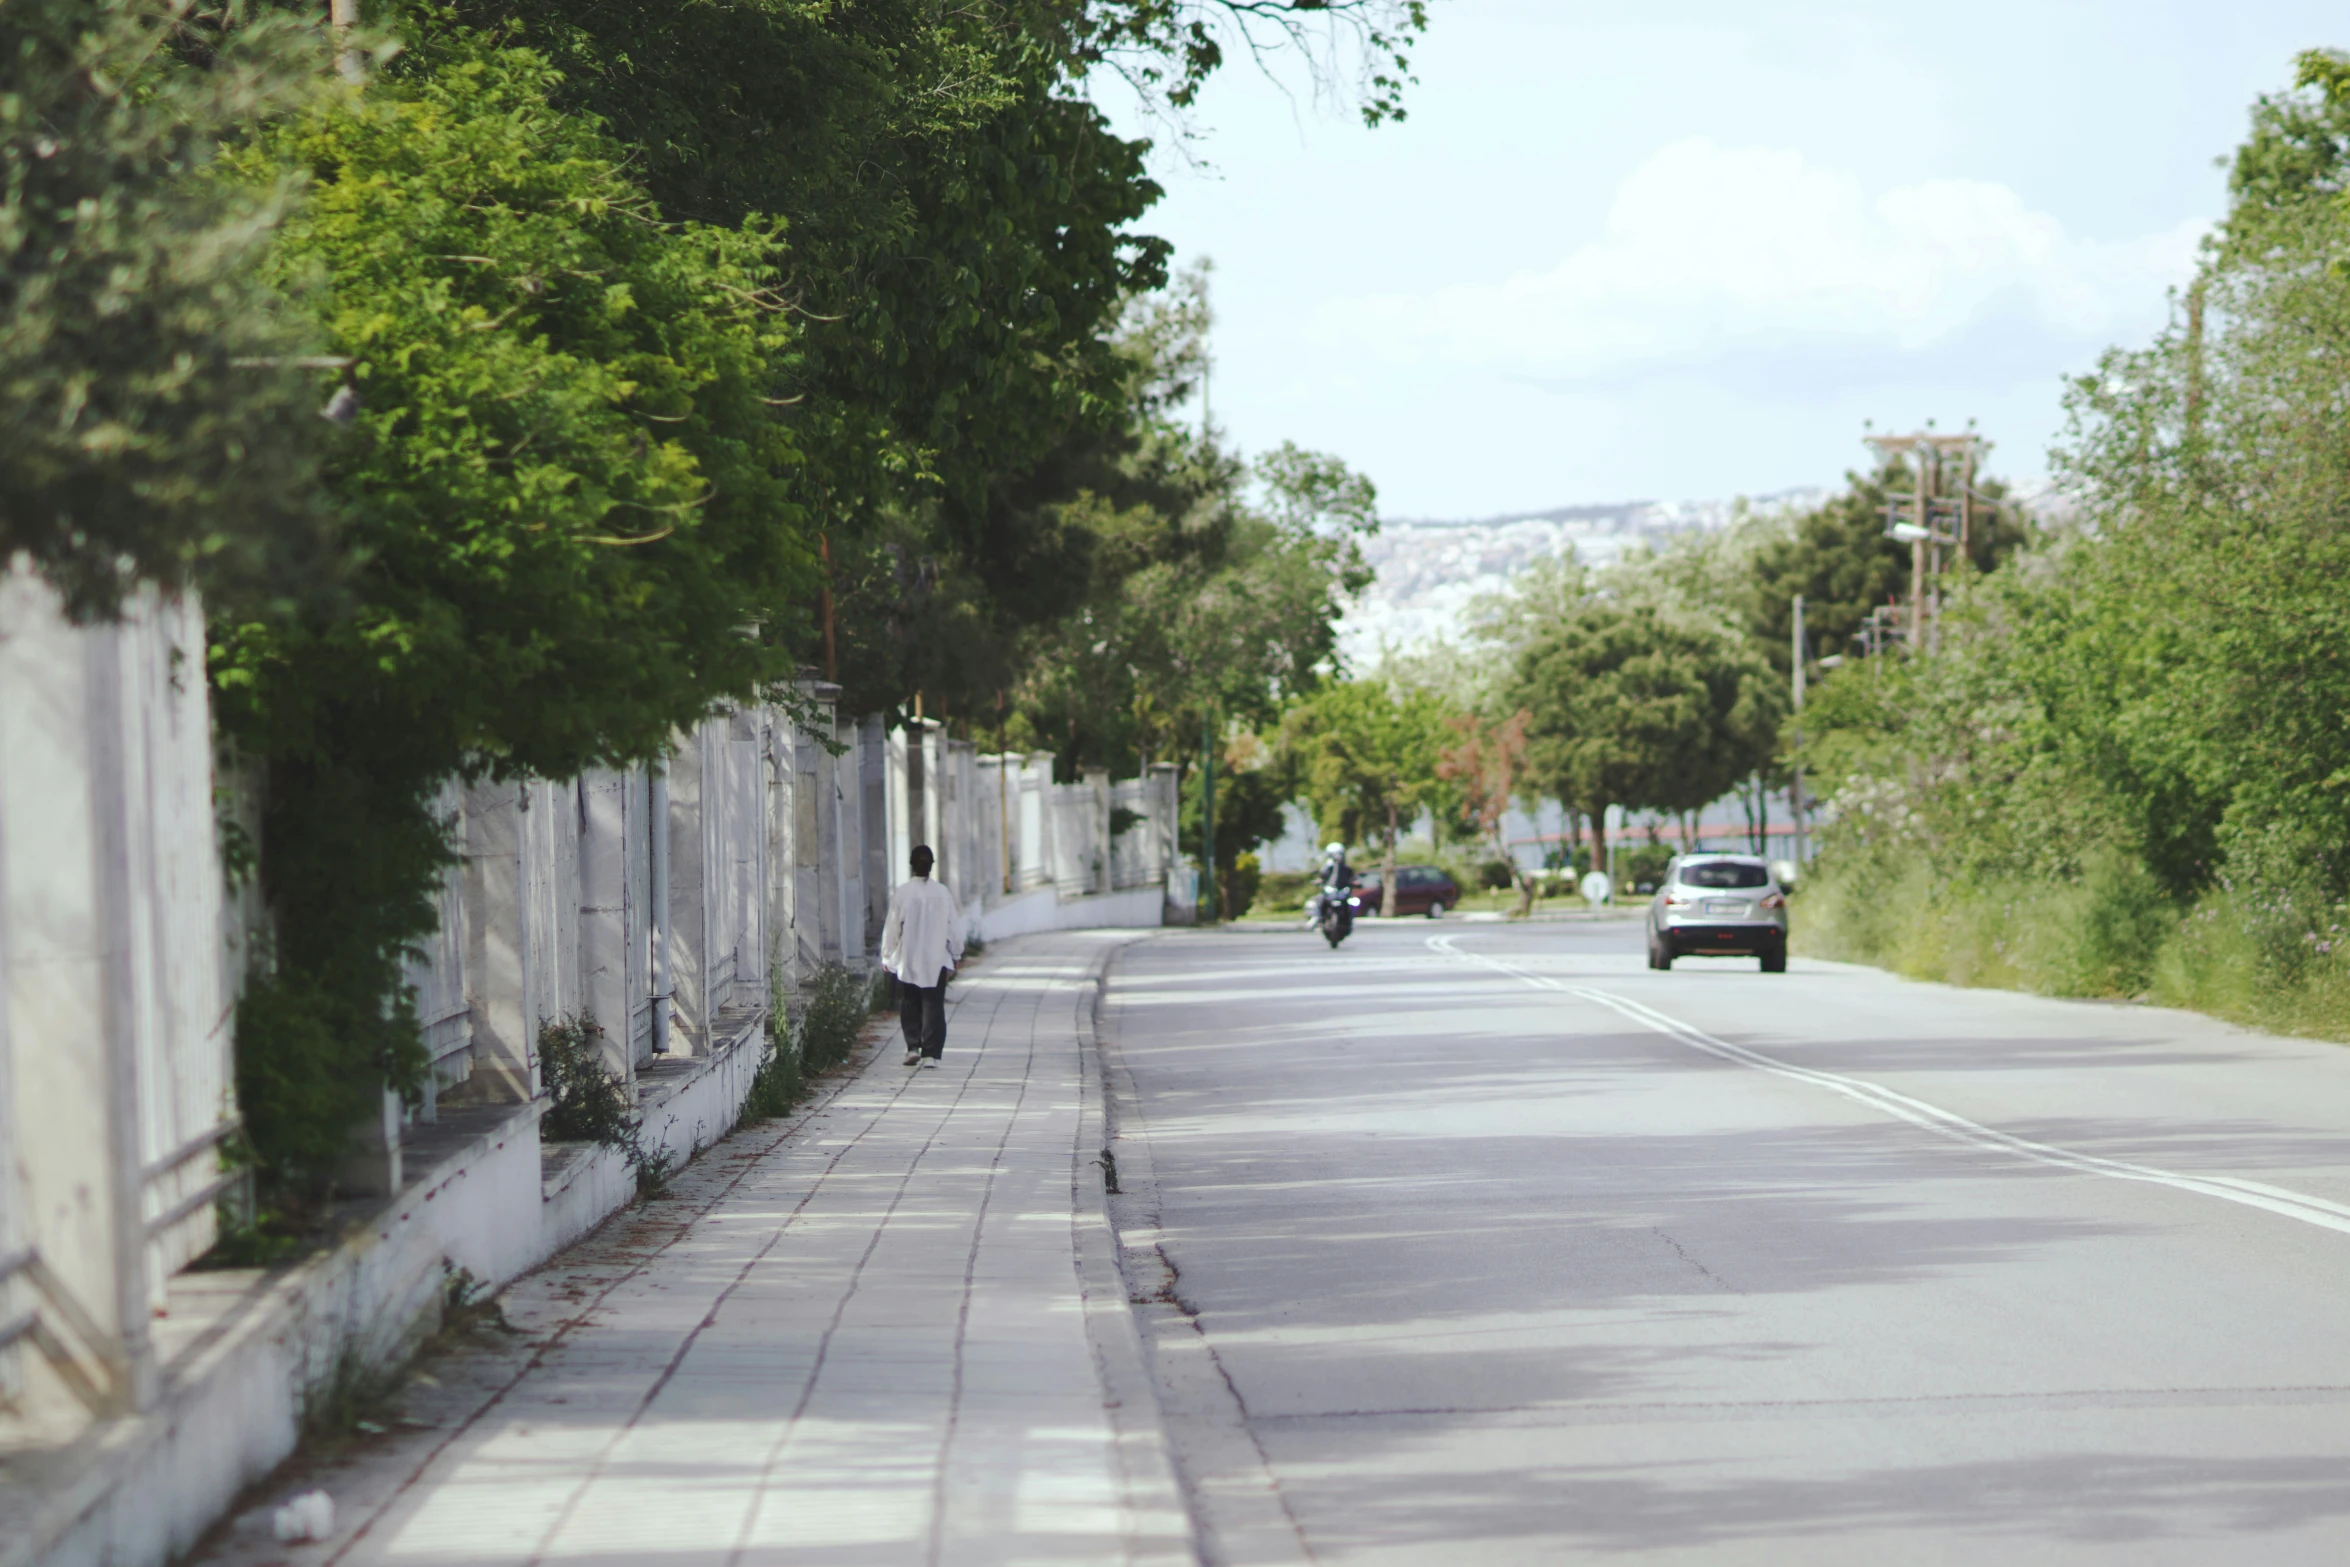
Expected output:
(889, 1332)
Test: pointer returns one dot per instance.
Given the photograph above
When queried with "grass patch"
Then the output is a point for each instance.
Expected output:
(2270, 961)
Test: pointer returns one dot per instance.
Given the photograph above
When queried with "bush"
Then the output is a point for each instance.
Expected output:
(778, 1083)
(1280, 893)
(590, 1102)
(1495, 876)
(1240, 885)
(587, 1102)
(1644, 864)
(2100, 934)
(813, 1036)
(833, 1007)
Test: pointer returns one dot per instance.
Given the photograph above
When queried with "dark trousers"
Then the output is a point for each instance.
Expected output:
(922, 1013)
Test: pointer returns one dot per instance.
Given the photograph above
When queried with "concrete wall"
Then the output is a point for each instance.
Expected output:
(679, 904)
(115, 1071)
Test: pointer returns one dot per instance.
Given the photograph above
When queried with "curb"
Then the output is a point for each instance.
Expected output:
(1237, 1511)
(1161, 1527)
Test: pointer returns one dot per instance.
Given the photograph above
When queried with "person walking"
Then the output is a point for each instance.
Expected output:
(920, 946)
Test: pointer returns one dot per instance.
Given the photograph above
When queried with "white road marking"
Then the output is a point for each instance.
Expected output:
(1933, 1118)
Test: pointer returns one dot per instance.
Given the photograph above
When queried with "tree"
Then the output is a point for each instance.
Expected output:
(1254, 786)
(1367, 760)
(1488, 765)
(2149, 718)
(155, 420)
(568, 484)
(1633, 707)
(1215, 585)
(961, 244)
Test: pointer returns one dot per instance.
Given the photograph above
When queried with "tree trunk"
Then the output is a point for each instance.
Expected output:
(1599, 837)
(1387, 882)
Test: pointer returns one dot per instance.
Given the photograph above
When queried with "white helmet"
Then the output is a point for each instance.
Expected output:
(1334, 848)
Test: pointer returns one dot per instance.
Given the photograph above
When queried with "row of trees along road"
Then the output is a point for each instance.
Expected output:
(2127, 772)
(1657, 686)
(638, 324)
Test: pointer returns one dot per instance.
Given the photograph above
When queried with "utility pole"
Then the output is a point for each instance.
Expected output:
(1797, 799)
(1207, 812)
(1929, 455)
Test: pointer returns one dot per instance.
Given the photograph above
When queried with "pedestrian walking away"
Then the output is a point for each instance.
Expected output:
(920, 947)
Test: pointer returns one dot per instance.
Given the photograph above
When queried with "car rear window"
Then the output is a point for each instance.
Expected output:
(1724, 873)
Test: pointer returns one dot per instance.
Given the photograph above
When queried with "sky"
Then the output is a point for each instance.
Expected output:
(1686, 251)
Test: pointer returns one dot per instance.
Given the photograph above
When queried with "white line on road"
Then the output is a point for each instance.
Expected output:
(1933, 1118)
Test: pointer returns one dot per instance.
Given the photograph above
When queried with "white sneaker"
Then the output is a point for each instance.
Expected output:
(913, 1056)
(931, 1062)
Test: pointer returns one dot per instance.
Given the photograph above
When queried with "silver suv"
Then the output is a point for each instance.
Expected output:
(1718, 905)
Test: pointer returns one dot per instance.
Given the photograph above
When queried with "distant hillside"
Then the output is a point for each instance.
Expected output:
(1430, 569)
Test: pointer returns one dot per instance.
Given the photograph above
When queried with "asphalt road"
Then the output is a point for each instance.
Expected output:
(1481, 1243)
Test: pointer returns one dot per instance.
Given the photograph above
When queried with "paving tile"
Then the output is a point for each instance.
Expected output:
(871, 1348)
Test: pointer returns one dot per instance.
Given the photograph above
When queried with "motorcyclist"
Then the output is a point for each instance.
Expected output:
(1332, 883)
(1337, 875)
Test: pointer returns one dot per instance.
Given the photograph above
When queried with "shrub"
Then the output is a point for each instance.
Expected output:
(1240, 885)
(587, 1102)
(777, 1085)
(833, 1007)
(1280, 893)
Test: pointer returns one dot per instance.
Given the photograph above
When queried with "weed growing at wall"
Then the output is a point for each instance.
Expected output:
(779, 1082)
(587, 1102)
(815, 1035)
(833, 1007)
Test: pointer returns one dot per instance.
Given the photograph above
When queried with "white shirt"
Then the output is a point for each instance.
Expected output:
(924, 936)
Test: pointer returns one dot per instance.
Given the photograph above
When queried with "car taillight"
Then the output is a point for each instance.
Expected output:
(1774, 901)
(1672, 902)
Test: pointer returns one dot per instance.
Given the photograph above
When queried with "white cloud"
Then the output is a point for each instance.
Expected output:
(1713, 253)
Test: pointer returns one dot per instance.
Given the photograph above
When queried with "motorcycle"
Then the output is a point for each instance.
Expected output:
(1334, 914)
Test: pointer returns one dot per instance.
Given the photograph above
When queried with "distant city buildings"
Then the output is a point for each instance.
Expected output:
(1431, 571)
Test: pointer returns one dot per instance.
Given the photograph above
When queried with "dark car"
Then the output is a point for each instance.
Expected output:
(1419, 889)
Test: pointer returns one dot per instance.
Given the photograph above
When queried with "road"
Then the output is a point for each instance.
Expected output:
(1483, 1243)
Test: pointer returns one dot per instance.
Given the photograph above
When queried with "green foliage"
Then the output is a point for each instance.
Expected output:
(1839, 557)
(1641, 864)
(1367, 758)
(780, 1081)
(834, 1004)
(326, 1020)
(151, 425)
(1215, 587)
(2099, 935)
(597, 397)
(567, 483)
(1253, 783)
(1279, 895)
(2123, 773)
(959, 221)
(1632, 705)
(567, 490)
(1241, 883)
(587, 1101)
